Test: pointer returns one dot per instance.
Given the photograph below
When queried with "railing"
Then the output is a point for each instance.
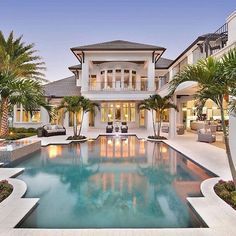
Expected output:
(163, 80)
(216, 41)
(117, 86)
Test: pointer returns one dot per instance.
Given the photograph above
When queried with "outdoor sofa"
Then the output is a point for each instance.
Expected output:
(52, 130)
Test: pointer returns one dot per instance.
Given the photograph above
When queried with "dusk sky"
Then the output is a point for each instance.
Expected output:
(55, 25)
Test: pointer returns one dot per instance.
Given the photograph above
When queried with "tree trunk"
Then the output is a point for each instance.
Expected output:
(153, 123)
(159, 125)
(228, 151)
(82, 118)
(4, 129)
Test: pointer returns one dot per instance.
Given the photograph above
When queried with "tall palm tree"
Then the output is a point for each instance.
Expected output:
(159, 105)
(20, 74)
(216, 80)
(76, 105)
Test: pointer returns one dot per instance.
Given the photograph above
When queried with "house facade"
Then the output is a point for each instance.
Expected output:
(119, 74)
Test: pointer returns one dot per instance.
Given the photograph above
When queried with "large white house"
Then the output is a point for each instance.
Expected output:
(119, 74)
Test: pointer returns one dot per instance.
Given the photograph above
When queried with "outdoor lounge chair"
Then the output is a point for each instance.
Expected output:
(124, 127)
(205, 135)
(52, 130)
(109, 127)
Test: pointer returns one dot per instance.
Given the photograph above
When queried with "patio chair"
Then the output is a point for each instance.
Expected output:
(124, 127)
(205, 135)
(109, 127)
(180, 130)
(165, 129)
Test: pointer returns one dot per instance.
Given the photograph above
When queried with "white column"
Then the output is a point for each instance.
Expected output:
(172, 120)
(151, 75)
(85, 76)
(44, 116)
(113, 79)
(130, 79)
(122, 79)
(85, 125)
(105, 79)
(66, 120)
(149, 122)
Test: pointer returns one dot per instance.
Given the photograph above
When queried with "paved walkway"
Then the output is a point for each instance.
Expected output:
(216, 213)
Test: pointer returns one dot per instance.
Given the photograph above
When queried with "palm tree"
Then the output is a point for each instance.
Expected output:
(19, 75)
(75, 105)
(159, 105)
(216, 80)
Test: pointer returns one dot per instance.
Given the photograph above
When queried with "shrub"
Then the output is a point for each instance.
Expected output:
(157, 137)
(76, 137)
(5, 189)
(226, 191)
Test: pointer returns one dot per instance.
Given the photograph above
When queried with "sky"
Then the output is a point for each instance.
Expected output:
(57, 25)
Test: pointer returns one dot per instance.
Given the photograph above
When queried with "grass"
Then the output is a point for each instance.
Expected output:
(19, 133)
(226, 191)
(5, 189)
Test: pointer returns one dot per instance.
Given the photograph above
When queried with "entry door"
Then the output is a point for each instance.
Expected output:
(142, 118)
(91, 119)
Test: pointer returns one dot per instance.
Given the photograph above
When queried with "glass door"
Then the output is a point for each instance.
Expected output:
(142, 118)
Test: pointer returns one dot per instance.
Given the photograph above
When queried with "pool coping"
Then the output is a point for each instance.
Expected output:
(217, 214)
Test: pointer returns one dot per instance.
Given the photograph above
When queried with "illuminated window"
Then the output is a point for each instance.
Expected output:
(92, 82)
(118, 112)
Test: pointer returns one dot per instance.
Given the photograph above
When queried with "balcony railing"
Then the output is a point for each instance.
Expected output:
(117, 86)
(216, 41)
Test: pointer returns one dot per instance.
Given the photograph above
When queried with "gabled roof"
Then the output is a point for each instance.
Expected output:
(163, 63)
(118, 45)
(62, 87)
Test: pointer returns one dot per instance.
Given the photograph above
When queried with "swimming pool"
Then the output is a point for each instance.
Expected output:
(111, 182)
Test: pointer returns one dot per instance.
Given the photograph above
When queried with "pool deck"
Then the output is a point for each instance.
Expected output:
(219, 216)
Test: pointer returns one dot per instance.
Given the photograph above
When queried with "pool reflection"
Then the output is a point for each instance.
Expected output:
(112, 182)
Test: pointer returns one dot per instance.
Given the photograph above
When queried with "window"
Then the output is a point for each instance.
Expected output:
(126, 78)
(109, 79)
(118, 112)
(102, 79)
(118, 78)
(71, 118)
(92, 82)
(133, 79)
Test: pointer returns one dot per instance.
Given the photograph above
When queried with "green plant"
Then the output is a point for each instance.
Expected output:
(216, 81)
(75, 105)
(226, 191)
(159, 105)
(5, 189)
(20, 77)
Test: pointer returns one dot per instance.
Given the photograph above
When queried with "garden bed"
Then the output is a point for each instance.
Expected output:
(5, 189)
(157, 137)
(77, 138)
(226, 191)
(19, 133)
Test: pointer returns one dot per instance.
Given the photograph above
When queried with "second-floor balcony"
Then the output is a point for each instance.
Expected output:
(118, 86)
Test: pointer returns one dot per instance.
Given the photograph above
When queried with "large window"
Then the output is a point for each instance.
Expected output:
(118, 78)
(121, 111)
(25, 116)
(126, 79)
(72, 118)
(92, 82)
(109, 79)
(133, 79)
(102, 79)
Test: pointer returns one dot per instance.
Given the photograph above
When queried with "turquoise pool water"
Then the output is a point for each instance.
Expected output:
(111, 182)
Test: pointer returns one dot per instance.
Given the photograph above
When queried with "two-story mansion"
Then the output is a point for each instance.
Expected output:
(117, 75)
